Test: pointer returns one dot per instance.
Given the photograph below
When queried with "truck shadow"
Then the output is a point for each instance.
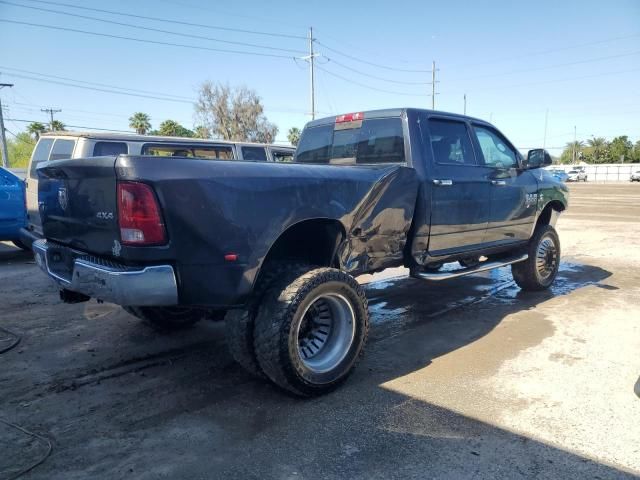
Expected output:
(11, 254)
(191, 411)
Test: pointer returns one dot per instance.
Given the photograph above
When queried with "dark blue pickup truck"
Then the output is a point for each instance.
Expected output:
(275, 247)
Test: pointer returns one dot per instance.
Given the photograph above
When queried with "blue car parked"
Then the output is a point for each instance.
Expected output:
(13, 212)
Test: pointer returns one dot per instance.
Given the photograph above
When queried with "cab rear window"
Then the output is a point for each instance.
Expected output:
(378, 140)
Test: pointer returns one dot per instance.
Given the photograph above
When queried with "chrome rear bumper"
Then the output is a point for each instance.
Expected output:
(153, 285)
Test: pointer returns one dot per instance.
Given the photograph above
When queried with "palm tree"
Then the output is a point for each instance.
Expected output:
(36, 129)
(598, 144)
(294, 136)
(575, 148)
(57, 125)
(140, 122)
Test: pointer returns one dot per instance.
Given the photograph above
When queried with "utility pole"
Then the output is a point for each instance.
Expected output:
(465, 103)
(546, 117)
(3, 138)
(50, 111)
(311, 58)
(433, 85)
(574, 145)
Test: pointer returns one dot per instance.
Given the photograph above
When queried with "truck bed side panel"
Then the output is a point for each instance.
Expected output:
(212, 208)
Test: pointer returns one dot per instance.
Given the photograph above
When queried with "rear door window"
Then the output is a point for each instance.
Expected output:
(450, 142)
(256, 154)
(377, 140)
(62, 149)
(40, 154)
(209, 152)
(101, 149)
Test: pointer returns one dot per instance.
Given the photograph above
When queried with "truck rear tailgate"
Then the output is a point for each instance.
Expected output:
(78, 204)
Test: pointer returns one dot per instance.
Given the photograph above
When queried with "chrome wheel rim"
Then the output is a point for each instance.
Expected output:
(326, 332)
(546, 258)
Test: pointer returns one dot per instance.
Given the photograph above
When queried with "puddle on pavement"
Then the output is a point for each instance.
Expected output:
(394, 303)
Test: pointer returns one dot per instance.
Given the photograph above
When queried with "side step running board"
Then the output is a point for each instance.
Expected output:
(482, 267)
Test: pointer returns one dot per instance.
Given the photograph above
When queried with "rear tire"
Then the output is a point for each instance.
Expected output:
(541, 268)
(310, 332)
(239, 324)
(170, 318)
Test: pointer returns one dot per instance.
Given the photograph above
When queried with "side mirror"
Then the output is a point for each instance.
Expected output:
(538, 158)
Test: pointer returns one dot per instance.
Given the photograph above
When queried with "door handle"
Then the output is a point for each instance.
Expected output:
(443, 183)
(499, 183)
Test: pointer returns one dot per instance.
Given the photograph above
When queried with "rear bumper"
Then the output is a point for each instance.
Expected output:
(148, 286)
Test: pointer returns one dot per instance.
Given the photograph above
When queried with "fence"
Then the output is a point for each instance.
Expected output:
(605, 172)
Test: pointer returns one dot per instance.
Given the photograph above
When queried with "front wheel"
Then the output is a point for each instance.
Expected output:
(541, 268)
(310, 332)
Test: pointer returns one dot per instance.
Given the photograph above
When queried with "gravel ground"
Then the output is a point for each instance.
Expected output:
(466, 379)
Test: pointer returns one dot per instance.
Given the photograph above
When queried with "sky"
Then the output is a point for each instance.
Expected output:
(575, 63)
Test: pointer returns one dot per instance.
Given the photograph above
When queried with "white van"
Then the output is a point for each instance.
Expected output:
(61, 145)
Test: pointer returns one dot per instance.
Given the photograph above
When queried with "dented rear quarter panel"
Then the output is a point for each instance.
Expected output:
(212, 208)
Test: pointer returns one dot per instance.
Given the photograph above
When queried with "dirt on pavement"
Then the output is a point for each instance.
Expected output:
(470, 378)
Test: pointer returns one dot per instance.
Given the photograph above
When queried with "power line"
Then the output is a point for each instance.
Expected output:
(158, 30)
(501, 87)
(367, 86)
(356, 59)
(557, 65)
(115, 90)
(148, 92)
(140, 40)
(173, 21)
(553, 50)
(382, 79)
(95, 89)
(72, 126)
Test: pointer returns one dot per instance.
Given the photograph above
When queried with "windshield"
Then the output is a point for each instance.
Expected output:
(379, 140)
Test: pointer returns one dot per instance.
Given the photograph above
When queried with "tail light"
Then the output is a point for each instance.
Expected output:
(350, 117)
(139, 215)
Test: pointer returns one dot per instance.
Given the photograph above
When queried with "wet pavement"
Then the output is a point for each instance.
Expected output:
(469, 378)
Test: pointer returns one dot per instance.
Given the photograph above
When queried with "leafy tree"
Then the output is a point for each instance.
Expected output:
(20, 149)
(598, 149)
(201, 132)
(58, 126)
(636, 152)
(36, 129)
(621, 149)
(568, 152)
(294, 136)
(233, 114)
(140, 122)
(171, 128)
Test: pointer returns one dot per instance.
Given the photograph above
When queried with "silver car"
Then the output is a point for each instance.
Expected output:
(576, 176)
(63, 145)
(635, 176)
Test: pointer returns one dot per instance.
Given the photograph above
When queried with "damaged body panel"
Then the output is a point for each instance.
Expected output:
(365, 192)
